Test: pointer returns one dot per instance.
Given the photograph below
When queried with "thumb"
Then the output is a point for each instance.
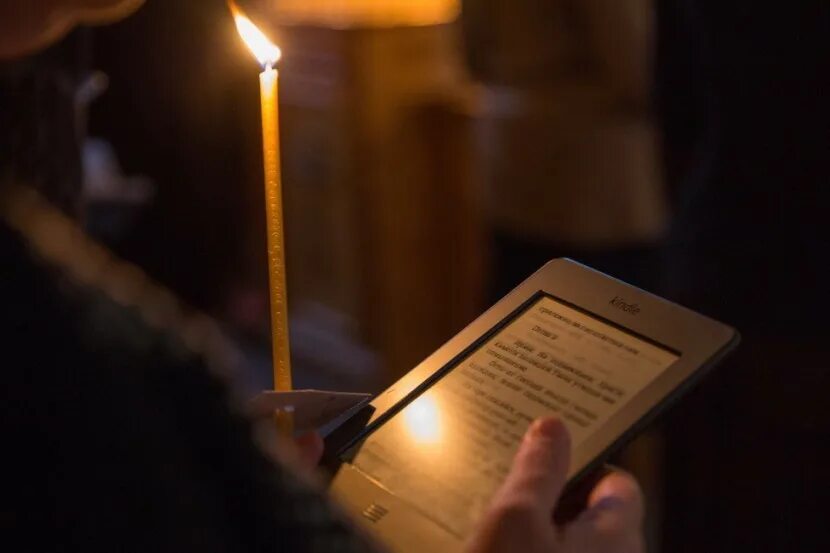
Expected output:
(540, 467)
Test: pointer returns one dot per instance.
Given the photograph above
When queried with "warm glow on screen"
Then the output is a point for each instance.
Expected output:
(422, 420)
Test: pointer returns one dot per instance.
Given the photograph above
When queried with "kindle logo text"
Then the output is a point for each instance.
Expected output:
(620, 303)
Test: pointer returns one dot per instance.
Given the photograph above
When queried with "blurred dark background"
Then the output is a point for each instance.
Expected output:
(437, 153)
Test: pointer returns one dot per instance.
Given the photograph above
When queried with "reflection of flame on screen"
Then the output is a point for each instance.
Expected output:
(422, 420)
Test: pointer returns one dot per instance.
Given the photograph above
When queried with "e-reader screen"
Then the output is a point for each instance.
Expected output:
(447, 451)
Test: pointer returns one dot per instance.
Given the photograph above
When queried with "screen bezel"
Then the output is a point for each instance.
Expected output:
(698, 341)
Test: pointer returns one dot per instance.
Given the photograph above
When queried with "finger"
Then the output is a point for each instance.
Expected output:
(575, 499)
(310, 447)
(613, 519)
(620, 491)
(540, 467)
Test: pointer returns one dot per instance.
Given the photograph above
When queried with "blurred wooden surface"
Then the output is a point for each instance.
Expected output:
(382, 223)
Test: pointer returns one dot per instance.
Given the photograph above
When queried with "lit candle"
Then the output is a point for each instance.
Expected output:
(268, 54)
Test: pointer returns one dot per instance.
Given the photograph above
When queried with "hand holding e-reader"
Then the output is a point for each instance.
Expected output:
(429, 454)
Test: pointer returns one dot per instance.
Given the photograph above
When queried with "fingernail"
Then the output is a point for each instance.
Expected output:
(609, 502)
(546, 428)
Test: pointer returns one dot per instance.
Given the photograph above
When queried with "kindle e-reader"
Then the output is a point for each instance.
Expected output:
(604, 356)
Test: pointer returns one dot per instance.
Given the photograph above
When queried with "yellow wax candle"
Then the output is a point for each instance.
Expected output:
(268, 81)
(268, 54)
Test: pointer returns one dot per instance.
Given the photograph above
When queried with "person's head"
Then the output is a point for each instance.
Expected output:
(41, 109)
(28, 26)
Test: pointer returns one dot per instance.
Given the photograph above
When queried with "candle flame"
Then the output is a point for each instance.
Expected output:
(265, 51)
